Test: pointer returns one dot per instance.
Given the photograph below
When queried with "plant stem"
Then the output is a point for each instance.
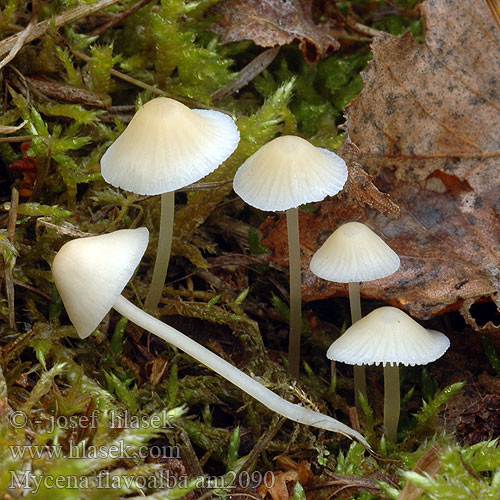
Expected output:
(391, 401)
(163, 251)
(292, 223)
(359, 371)
(228, 371)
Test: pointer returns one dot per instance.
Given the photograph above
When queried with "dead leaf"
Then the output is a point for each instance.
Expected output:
(425, 127)
(360, 187)
(272, 23)
(429, 464)
(156, 368)
(278, 488)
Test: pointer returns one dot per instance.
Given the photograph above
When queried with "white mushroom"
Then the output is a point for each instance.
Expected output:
(90, 274)
(388, 336)
(165, 147)
(283, 174)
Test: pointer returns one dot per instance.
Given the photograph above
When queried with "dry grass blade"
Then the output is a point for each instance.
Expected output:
(9, 278)
(44, 26)
(247, 74)
(494, 6)
(23, 36)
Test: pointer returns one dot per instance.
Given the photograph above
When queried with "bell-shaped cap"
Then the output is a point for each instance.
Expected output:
(90, 273)
(168, 146)
(388, 335)
(352, 253)
(288, 172)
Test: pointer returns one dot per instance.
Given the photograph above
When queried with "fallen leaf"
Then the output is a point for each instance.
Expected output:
(274, 23)
(428, 464)
(156, 368)
(425, 127)
(277, 487)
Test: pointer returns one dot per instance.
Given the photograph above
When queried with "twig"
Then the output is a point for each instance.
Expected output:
(119, 19)
(247, 74)
(354, 25)
(16, 138)
(364, 30)
(146, 86)
(23, 36)
(67, 93)
(203, 186)
(9, 277)
(345, 482)
(261, 444)
(44, 26)
(20, 284)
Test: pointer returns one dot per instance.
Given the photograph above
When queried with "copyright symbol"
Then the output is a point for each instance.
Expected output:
(18, 419)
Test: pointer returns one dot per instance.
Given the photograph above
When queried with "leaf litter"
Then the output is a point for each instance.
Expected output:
(422, 128)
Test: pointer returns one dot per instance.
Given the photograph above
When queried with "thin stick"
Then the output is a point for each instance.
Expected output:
(9, 276)
(120, 18)
(163, 251)
(261, 445)
(23, 36)
(359, 371)
(16, 138)
(133, 81)
(53, 23)
(292, 222)
(391, 401)
(247, 74)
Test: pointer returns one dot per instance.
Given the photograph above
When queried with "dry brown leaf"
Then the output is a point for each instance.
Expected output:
(293, 472)
(425, 127)
(272, 23)
(428, 463)
(156, 369)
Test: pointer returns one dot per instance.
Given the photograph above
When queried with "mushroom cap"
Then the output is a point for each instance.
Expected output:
(288, 172)
(167, 146)
(90, 274)
(388, 335)
(352, 253)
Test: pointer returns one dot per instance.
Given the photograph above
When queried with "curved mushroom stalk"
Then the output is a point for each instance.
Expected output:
(229, 372)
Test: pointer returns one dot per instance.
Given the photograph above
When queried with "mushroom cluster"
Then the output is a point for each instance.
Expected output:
(168, 146)
(352, 254)
(90, 274)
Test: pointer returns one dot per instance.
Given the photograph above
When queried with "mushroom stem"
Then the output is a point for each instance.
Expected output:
(292, 223)
(228, 371)
(391, 401)
(359, 370)
(163, 251)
